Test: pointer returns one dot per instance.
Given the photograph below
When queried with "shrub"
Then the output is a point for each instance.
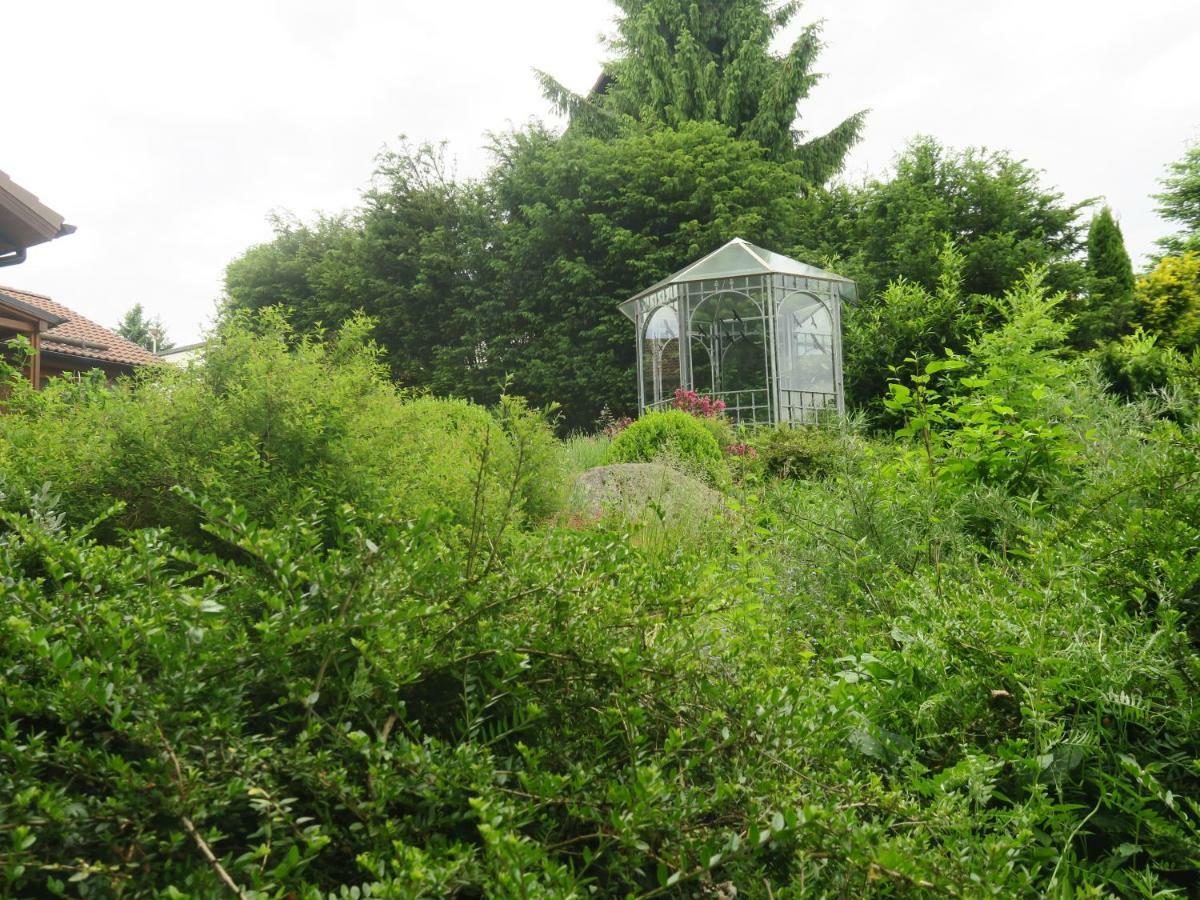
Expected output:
(913, 679)
(448, 455)
(673, 436)
(805, 452)
(278, 423)
(1137, 365)
(1003, 415)
(1169, 299)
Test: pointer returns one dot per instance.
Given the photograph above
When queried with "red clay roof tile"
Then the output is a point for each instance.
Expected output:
(117, 350)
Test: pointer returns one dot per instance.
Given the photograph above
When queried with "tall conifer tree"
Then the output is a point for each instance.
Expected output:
(710, 60)
(1108, 309)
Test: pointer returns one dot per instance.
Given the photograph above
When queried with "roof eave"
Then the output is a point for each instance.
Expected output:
(30, 310)
(26, 221)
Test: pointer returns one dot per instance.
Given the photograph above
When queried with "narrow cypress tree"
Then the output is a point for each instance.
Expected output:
(710, 60)
(1108, 310)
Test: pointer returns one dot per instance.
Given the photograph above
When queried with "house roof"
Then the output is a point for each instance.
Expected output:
(77, 335)
(24, 219)
(29, 311)
(735, 259)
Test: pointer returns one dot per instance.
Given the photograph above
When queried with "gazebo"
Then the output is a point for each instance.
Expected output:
(755, 329)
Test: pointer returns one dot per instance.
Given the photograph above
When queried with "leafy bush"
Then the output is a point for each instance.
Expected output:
(710, 413)
(453, 455)
(1137, 365)
(277, 423)
(1170, 300)
(1006, 418)
(673, 436)
(806, 452)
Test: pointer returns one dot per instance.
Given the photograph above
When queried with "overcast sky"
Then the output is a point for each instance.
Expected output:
(167, 132)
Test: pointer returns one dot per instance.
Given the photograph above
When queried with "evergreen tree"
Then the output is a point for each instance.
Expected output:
(710, 60)
(1106, 310)
(409, 257)
(587, 223)
(144, 331)
(1180, 202)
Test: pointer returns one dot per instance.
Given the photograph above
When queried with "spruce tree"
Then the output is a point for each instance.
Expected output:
(149, 333)
(1108, 309)
(710, 60)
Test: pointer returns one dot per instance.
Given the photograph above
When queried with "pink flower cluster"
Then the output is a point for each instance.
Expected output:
(698, 404)
(741, 450)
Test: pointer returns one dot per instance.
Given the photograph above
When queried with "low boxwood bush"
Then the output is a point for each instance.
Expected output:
(673, 437)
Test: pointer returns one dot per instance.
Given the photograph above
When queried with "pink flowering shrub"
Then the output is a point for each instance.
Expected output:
(742, 449)
(698, 405)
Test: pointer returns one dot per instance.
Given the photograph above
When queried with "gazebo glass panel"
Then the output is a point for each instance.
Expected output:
(805, 335)
(728, 342)
(660, 356)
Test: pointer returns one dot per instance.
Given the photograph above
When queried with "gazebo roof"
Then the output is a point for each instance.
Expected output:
(735, 259)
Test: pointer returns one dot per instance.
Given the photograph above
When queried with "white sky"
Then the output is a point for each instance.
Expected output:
(167, 132)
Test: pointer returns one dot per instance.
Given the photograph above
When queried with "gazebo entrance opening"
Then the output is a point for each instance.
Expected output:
(752, 328)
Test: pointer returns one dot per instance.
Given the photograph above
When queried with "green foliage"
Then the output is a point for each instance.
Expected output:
(1003, 417)
(583, 452)
(278, 423)
(409, 257)
(964, 667)
(1108, 310)
(907, 323)
(805, 453)
(1170, 300)
(711, 61)
(148, 333)
(673, 436)
(1180, 202)
(932, 247)
(292, 271)
(1138, 365)
(994, 208)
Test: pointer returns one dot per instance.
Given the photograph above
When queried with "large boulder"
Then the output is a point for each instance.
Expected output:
(629, 489)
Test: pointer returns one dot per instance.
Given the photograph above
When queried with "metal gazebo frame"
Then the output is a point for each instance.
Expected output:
(736, 304)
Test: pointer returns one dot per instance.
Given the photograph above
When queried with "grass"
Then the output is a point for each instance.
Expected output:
(582, 452)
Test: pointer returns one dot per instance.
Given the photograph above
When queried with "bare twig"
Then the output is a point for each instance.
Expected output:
(212, 860)
(205, 849)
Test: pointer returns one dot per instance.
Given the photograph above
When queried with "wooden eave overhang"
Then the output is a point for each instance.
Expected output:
(24, 220)
(15, 313)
